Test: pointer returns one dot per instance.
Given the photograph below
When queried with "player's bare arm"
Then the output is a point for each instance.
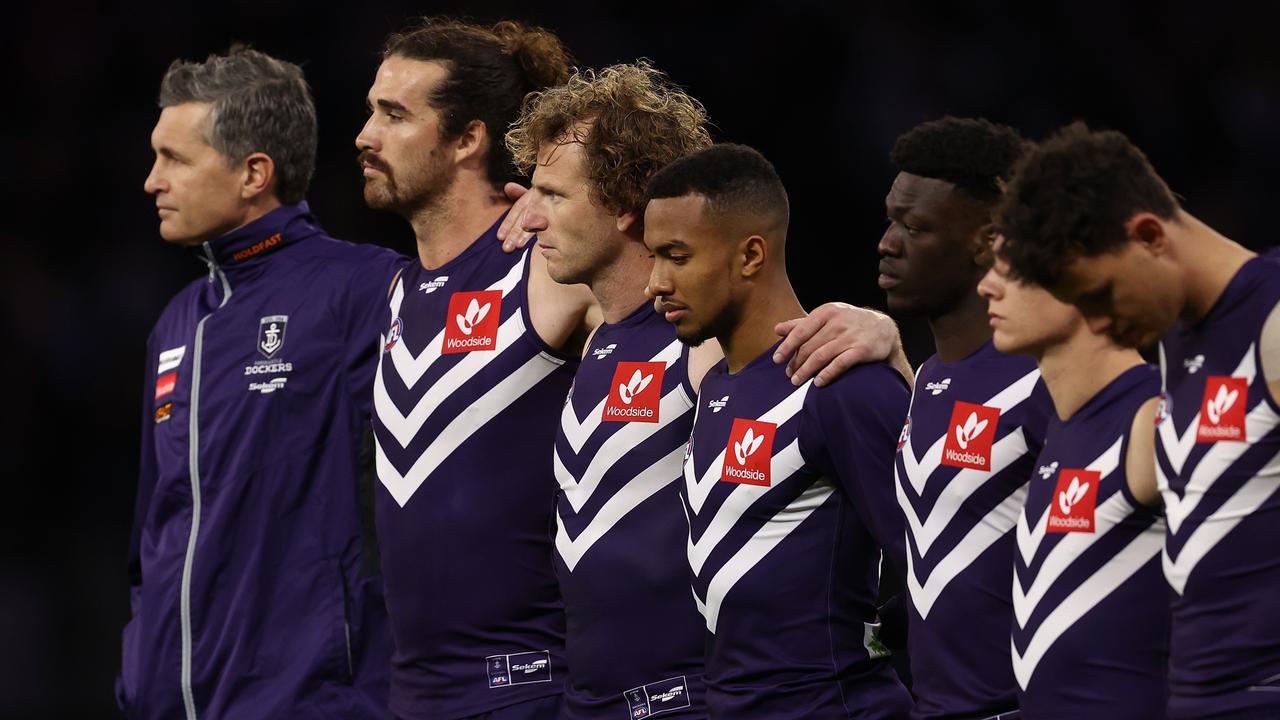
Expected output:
(1140, 462)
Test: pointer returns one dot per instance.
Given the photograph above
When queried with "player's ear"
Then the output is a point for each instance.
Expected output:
(258, 175)
(1149, 231)
(753, 251)
(470, 142)
(981, 245)
(628, 221)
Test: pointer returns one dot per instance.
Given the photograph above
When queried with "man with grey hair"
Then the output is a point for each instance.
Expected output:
(255, 591)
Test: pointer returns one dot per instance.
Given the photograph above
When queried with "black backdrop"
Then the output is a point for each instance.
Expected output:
(821, 88)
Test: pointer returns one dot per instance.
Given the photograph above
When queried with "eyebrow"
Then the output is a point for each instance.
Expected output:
(671, 245)
(389, 105)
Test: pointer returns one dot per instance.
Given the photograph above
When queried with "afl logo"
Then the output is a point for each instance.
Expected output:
(906, 433)
(393, 335)
(1162, 409)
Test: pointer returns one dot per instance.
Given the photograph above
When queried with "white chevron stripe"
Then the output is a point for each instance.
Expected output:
(765, 539)
(484, 409)
(1178, 448)
(781, 466)
(1114, 510)
(991, 528)
(1083, 599)
(577, 433)
(410, 368)
(578, 490)
(1245, 501)
(652, 479)
(919, 471)
(961, 487)
(404, 428)
(698, 489)
(1029, 537)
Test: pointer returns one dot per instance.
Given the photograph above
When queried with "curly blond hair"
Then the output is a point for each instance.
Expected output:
(630, 119)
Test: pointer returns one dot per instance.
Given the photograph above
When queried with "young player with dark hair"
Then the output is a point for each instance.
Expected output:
(1088, 218)
(976, 421)
(1090, 635)
(787, 489)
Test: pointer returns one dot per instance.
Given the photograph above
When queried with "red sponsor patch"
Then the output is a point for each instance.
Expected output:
(635, 393)
(165, 384)
(748, 455)
(1074, 501)
(970, 435)
(1222, 410)
(473, 322)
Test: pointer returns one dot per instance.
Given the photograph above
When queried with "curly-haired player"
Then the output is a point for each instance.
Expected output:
(1088, 218)
(976, 423)
(634, 640)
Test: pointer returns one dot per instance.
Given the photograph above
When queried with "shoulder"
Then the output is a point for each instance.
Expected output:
(873, 385)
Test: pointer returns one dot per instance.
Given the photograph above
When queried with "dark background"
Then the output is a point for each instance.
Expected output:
(821, 88)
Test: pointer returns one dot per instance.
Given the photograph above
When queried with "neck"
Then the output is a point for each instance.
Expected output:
(770, 303)
(961, 330)
(620, 287)
(449, 225)
(1078, 369)
(1208, 260)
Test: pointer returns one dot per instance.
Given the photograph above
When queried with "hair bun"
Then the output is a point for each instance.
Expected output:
(543, 59)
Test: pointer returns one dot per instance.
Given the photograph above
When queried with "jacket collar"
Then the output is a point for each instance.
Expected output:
(248, 244)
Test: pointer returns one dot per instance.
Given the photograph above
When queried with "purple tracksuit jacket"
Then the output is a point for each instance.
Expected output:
(254, 584)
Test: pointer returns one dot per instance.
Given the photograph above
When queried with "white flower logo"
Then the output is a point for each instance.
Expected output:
(474, 315)
(747, 447)
(1068, 498)
(970, 430)
(634, 387)
(1221, 403)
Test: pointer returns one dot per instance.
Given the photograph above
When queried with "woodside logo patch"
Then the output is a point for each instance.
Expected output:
(1074, 501)
(473, 322)
(1222, 410)
(635, 392)
(749, 453)
(971, 433)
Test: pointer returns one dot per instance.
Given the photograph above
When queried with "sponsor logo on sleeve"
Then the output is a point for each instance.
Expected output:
(271, 334)
(972, 432)
(473, 321)
(659, 697)
(749, 454)
(1074, 501)
(1222, 411)
(393, 334)
(170, 359)
(518, 669)
(164, 412)
(635, 392)
(166, 383)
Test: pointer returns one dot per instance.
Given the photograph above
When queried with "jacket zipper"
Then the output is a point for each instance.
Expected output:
(193, 459)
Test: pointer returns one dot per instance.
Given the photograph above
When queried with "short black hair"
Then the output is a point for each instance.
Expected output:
(735, 180)
(1071, 196)
(974, 154)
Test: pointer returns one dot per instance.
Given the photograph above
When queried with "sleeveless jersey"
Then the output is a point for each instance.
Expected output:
(634, 637)
(1091, 626)
(1218, 464)
(789, 496)
(465, 403)
(964, 457)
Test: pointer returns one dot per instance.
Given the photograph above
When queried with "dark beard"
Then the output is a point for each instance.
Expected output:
(719, 326)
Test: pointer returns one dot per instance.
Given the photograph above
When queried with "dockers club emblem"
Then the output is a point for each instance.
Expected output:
(271, 334)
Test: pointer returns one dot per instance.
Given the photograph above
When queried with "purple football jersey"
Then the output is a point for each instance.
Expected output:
(790, 502)
(465, 402)
(1091, 626)
(964, 458)
(634, 637)
(1218, 464)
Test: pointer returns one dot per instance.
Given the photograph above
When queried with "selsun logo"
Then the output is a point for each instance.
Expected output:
(749, 453)
(973, 429)
(1074, 501)
(1222, 411)
(635, 392)
(473, 321)
(256, 248)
